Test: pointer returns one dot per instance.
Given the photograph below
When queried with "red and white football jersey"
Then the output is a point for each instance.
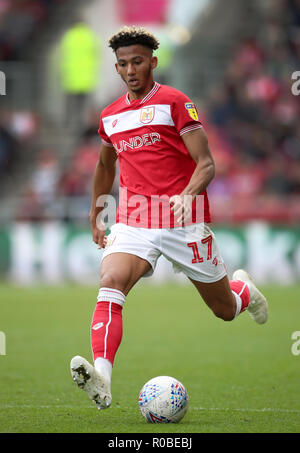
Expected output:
(154, 161)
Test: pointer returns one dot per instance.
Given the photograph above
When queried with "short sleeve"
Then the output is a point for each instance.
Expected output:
(185, 114)
(104, 137)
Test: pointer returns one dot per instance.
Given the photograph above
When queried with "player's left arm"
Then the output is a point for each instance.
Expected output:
(196, 143)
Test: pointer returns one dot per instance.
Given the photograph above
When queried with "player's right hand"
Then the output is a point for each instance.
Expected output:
(98, 231)
(181, 205)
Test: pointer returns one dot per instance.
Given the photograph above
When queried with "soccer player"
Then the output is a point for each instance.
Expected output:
(165, 168)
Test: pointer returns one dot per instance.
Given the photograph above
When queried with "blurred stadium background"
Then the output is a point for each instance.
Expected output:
(235, 62)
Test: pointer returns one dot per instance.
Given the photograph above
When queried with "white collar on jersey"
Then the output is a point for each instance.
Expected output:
(148, 96)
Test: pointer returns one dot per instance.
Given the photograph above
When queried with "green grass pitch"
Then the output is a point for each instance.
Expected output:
(241, 377)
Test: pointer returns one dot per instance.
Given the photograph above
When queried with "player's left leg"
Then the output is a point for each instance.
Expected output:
(119, 273)
(128, 256)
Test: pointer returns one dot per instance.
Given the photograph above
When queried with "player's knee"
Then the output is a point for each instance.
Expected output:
(110, 280)
(225, 313)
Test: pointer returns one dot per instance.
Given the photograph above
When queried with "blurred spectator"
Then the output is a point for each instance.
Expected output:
(30, 207)
(8, 151)
(294, 178)
(91, 126)
(73, 182)
(18, 21)
(291, 146)
(256, 113)
(80, 55)
(292, 22)
(276, 182)
(45, 177)
(246, 178)
(24, 125)
(77, 179)
(222, 107)
(251, 118)
(249, 56)
(39, 197)
(18, 131)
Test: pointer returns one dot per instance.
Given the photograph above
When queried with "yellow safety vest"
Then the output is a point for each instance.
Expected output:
(80, 59)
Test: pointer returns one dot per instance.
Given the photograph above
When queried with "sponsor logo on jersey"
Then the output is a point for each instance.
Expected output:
(191, 108)
(114, 123)
(136, 142)
(147, 114)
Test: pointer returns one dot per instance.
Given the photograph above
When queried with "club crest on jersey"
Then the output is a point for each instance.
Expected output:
(147, 115)
(191, 108)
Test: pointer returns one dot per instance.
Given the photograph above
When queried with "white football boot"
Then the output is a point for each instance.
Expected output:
(258, 306)
(89, 379)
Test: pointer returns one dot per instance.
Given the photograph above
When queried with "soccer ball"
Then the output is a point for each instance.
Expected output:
(163, 399)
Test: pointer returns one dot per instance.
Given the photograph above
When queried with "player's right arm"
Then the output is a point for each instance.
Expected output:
(103, 179)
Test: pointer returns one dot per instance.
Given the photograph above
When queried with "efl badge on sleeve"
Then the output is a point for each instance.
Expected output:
(147, 114)
(191, 108)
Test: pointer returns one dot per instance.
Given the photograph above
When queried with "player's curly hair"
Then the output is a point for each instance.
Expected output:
(132, 35)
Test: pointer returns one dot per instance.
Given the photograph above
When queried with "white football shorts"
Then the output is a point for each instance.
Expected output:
(191, 249)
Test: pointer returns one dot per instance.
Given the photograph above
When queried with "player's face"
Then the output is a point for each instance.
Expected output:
(135, 65)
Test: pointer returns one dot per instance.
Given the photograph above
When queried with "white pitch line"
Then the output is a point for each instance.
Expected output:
(216, 409)
(265, 409)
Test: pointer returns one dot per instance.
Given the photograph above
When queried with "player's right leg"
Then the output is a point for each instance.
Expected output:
(194, 251)
(258, 306)
(119, 273)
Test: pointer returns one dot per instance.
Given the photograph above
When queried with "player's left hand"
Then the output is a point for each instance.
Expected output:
(181, 205)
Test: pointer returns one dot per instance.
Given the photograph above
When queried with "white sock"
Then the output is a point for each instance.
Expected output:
(104, 367)
(238, 304)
